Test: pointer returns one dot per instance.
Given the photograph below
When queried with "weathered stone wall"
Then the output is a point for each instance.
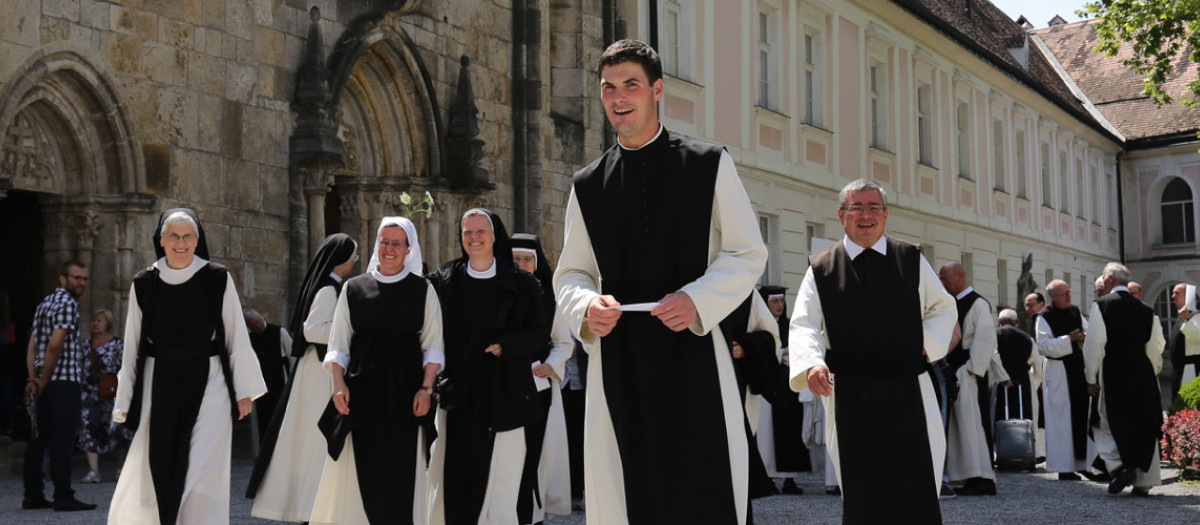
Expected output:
(206, 88)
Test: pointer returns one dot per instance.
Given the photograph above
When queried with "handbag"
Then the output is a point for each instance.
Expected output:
(105, 383)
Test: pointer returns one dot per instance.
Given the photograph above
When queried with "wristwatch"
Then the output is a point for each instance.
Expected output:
(427, 389)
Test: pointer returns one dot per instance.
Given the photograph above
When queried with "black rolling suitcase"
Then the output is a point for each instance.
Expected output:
(1014, 438)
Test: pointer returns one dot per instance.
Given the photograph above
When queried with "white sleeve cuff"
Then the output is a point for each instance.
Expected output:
(433, 355)
(334, 356)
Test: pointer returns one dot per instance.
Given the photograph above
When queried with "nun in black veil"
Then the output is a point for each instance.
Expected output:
(494, 322)
(286, 476)
(188, 367)
(546, 483)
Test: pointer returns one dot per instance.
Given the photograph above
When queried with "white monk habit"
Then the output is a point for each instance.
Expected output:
(287, 493)
(808, 343)
(736, 257)
(1060, 447)
(1093, 359)
(206, 485)
(967, 453)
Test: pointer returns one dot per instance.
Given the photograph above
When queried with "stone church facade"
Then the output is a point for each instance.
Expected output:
(280, 121)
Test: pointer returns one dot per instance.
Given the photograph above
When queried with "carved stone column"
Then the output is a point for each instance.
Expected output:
(317, 177)
(87, 228)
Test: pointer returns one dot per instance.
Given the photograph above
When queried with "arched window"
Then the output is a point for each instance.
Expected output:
(1177, 213)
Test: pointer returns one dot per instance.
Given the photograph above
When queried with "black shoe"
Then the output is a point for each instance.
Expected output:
(978, 487)
(40, 503)
(1122, 477)
(833, 491)
(70, 504)
(1140, 492)
(790, 487)
(1068, 476)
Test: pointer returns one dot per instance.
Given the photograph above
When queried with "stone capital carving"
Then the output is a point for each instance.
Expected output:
(316, 177)
(88, 225)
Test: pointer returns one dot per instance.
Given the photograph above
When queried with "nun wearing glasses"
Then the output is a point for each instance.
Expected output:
(385, 349)
(187, 373)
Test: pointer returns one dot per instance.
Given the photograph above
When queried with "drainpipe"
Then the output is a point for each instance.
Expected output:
(526, 116)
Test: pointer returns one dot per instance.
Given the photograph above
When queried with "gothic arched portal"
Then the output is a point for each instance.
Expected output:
(67, 147)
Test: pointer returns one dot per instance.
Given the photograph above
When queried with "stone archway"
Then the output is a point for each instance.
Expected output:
(67, 139)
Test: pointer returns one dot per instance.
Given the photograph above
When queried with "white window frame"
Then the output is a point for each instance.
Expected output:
(767, 56)
(998, 154)
(962, 136)
(925, 123)
(677, 54)
(1047, 177)
(1080, 186)
(877, 102)
(1022, 157)
(1064, 182)
(814, 75)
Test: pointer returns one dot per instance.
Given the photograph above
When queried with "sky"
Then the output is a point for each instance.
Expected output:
(1038, 12)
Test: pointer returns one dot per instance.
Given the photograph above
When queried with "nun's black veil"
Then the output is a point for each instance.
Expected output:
(334, 251)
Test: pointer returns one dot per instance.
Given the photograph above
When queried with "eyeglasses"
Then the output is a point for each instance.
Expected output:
(175, 237)
(395, 245)
(873, 209)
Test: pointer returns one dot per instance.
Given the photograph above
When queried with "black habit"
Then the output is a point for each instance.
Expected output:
(878, 382)
(648, 213)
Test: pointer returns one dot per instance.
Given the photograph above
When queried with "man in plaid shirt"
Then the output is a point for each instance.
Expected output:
(55, 377)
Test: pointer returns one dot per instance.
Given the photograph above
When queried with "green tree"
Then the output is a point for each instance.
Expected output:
(1158, 31)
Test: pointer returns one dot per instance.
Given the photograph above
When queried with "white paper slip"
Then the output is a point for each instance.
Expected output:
(1190, 301)
(541, 382)
(637, 307)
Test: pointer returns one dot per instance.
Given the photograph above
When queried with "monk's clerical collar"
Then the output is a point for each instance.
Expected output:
(648, 142)
(853, 249)
(389, 278)
(484, 274)
(336, 278)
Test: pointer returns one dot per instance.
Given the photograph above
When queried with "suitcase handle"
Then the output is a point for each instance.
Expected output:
(1020, 403)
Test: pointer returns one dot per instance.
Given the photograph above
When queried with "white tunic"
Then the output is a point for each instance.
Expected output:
(736, 260)
(338, 498)
(1093, 354)
(206, 486)
(967, 453)
(808, 343)
(289, 485)
(554, 469)
(1060, 448)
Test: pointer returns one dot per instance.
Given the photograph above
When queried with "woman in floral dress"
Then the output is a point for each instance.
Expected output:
(99, 435)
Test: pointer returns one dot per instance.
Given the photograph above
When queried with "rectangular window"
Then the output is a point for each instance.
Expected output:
(1064, 193)
(963, 136)
(1022, 171)
(998, 153)
(925, 124)
(810, 81)
(928, 252)
(768, 57)
(1095, 196)
(1047, 183)
(1111, 190)
(1002, 283)
(878, 122)
(1079, 199)
(670, 55)
(1083, 289)
(1049, 277)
